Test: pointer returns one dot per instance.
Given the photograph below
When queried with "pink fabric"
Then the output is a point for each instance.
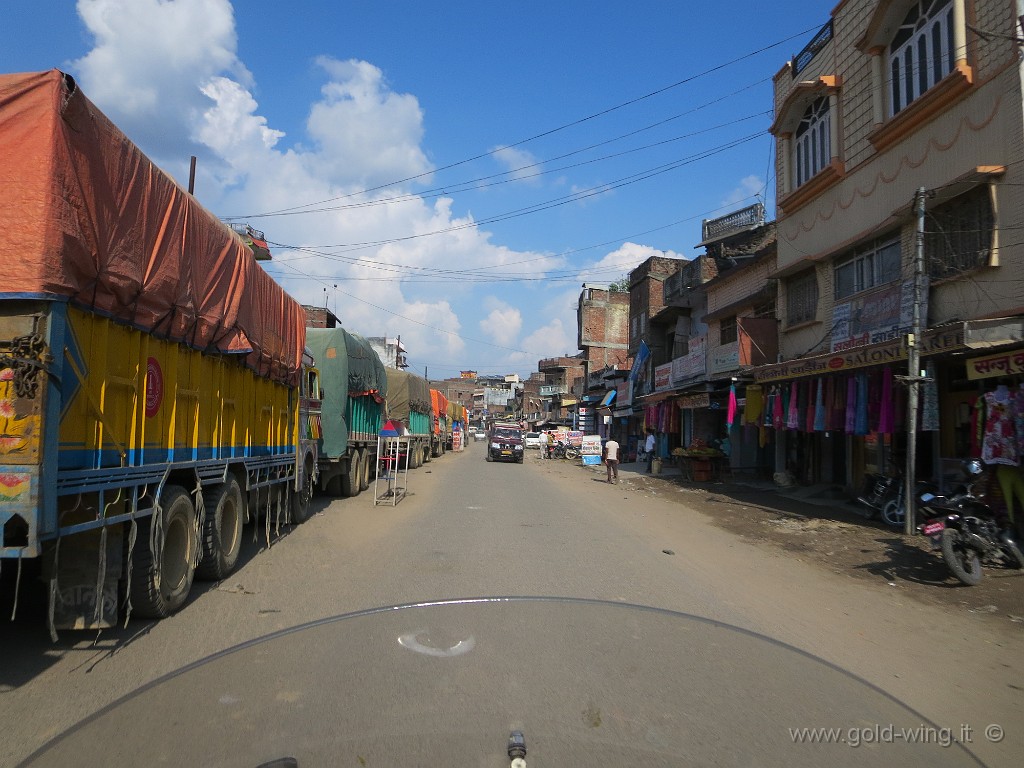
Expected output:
(793, 417)
(731, 416)
(778, 417)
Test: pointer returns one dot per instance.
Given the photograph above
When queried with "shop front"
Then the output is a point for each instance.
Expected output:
(842, 415)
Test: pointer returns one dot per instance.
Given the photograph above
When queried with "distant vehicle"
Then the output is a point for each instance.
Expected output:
(479, 435)
(532, 440)
(505, 443)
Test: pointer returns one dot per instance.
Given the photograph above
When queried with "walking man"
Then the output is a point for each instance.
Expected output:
(543, 445)
(649, 449)
(610, 454)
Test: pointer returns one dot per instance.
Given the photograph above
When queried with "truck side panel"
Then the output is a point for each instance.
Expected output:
(128, 410)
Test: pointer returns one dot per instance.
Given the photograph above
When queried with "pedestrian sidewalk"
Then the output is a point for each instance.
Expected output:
(822, 494)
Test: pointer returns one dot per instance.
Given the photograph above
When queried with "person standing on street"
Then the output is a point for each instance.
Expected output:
(649, 449)
(543, 445)
(610, 454)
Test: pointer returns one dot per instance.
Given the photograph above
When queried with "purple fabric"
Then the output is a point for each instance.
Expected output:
(886, 413)
(851, 405)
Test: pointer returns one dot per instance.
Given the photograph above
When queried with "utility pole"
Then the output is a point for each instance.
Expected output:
(914, 377)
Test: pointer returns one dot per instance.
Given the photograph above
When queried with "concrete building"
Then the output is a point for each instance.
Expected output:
(889, 98)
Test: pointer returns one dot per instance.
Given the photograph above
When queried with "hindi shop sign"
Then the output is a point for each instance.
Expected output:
(663, 377)
(1001, 364)
(932, 343)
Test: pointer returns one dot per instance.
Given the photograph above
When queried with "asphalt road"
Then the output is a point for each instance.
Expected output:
(586, 681)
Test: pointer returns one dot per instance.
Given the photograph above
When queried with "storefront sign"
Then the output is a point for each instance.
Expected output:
(692, 364)
(663, 377)
(591, 445)
(1001, 364)
(725, 358)
(695, 401)
(881, 316)
(932, 343)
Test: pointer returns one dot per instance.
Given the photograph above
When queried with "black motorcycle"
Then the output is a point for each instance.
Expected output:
(564, 451)
(967, 530)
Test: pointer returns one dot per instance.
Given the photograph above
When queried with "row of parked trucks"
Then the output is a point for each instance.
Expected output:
(158, 390)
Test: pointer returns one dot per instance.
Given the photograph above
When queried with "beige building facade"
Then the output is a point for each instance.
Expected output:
(889, 98)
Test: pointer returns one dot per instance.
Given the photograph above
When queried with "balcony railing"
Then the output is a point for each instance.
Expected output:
(819, 41)
(737, 221)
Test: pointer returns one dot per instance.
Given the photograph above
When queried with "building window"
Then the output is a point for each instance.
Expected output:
(871, 265)
(813, 141)
(727, 330)
(959, 234)
(802, 298)
(921, 52)
(765, 308)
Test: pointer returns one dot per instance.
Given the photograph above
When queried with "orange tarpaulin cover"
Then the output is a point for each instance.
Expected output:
(86, 216)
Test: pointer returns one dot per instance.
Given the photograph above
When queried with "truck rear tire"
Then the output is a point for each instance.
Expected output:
(302, 497)
(222, 530)
(161, 580)
(350, 480)
(367, 459)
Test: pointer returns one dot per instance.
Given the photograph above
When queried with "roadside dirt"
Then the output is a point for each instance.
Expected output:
(837, 537)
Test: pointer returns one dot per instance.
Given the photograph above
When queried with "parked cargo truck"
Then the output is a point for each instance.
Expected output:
(354, 386)
(440, 426)
(409, 403)
(154, 391)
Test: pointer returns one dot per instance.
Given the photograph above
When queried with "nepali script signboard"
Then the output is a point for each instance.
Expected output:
(1000, 364)
(932, 343)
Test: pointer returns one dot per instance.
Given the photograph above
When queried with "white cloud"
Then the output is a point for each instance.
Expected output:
(364, 129)
(502, 324)
(151, 58)
(520, 163)
(169, 75)
(620, 262)
(745, 190)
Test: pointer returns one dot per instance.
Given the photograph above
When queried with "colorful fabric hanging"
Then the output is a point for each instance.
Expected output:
(860, 426)
(886, 411)
(851, 405)
(778, 410)
(820, 412)
(874, 399)
(793, 415)
(808, 409)
(754, 405)
(731, 415)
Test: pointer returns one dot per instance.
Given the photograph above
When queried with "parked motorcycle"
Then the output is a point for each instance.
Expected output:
(879, 491)
(967, 530)
(563, 451)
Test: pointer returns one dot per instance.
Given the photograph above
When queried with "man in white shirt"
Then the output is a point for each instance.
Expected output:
(611, 459)
(649, 449)
(543, 445)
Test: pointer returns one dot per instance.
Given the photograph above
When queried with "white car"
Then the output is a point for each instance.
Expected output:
(532, 440)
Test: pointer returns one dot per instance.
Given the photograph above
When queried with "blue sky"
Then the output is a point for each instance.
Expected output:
(451, 173)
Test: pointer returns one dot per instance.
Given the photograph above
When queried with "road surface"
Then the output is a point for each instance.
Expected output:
(469, 528)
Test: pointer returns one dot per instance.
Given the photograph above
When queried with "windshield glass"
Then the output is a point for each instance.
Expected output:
(505, 434)
(587, 682)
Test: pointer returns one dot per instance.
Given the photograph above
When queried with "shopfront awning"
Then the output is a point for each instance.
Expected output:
(656, 397)
(607, 399)
(948, 338)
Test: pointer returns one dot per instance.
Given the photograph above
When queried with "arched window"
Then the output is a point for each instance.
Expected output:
(813, 141)
(921, 53)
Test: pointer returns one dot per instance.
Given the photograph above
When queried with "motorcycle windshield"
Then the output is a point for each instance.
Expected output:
(587, 683)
